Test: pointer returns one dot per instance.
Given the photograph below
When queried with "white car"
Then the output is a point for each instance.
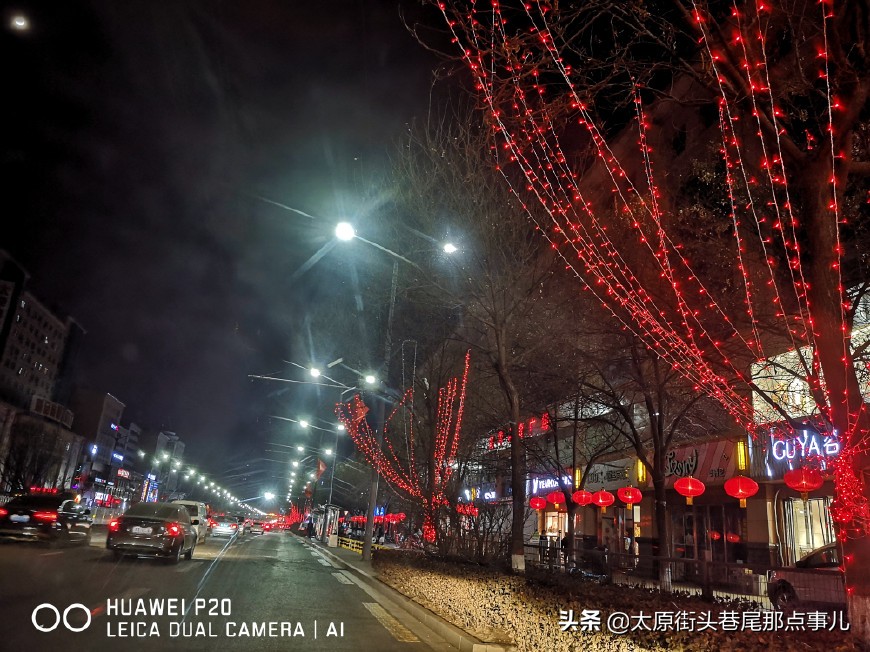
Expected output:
(816, 579)
(198, 517)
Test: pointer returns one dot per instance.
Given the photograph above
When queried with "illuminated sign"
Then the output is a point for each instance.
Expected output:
(124, 473)
(528, 428)
(804, 445)
(113, 426)
(549, 484)
(118, 457)
(94, 449)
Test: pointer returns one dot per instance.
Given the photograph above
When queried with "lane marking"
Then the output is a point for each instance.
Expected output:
(48, 554)
(323, 562)
(341, 578)
(393, 626)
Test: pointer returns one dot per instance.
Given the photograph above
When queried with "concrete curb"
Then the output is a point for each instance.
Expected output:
(452, 634)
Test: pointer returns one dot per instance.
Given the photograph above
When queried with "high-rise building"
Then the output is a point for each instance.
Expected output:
(34, 340)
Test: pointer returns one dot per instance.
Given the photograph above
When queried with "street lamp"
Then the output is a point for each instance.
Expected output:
(344, 231)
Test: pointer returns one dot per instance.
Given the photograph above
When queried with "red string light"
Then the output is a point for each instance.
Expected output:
(764, 221)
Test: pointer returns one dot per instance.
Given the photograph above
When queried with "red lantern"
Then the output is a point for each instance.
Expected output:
(629, 495)
(804, 481)
(537, 503)
(581, 497)
(557, 498)
(603, 499)
(714, 535)
(741, 487)
(690, 488)
(732, 538)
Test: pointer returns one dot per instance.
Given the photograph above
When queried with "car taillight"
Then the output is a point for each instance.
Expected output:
(114, 525)
(3, 512)
(233, 525)
(173, 530)
(212, 523)
(46, 517)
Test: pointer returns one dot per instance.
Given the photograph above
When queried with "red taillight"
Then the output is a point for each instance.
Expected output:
(233, 526)
(114, 525)
(46, 517)
(212, 523)
(173, 530)
(3, 512)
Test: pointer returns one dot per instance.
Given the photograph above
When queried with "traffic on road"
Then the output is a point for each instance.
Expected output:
(122, 589)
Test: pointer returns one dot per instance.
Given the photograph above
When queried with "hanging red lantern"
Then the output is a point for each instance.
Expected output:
(629, 495)
(690, 488)
(741, 487)
(557, 498)
(603, 499)
(537, 502)
(803, 480)
(581, 497)
(714, 535)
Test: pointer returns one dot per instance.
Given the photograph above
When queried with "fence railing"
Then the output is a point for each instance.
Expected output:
(709, 579)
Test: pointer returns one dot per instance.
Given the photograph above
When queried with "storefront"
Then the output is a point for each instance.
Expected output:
(802, 519)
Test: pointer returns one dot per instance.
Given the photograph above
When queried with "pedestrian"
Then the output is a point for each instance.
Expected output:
(310, 529)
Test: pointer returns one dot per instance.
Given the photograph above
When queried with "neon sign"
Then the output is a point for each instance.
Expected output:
(807, 444)
(528, 428)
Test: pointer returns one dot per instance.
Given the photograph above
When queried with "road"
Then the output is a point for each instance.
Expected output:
(269, 592)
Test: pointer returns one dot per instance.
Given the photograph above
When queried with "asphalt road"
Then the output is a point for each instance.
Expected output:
(269, 592)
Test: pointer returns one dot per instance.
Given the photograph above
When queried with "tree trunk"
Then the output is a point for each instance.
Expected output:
(663, 530)
(847, 412)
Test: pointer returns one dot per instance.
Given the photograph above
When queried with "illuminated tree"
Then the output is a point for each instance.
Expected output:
(394, 454)
(785, 85)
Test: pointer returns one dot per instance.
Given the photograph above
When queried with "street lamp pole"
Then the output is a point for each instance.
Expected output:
(381, 417)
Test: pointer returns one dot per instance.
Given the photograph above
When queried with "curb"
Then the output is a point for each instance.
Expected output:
(452, 634)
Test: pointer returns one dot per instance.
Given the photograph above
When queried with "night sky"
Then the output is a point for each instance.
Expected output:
(139, 138)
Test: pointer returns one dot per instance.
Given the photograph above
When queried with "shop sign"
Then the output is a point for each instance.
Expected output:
(711, 463)
(784, 454)
(546, 485)
(529, 428)
(806, 444)
(124, 473)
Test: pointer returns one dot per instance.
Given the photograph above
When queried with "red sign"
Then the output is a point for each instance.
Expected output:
(123, 473)
(528, 428)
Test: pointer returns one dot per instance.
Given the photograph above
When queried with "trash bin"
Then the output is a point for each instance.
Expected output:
(332, 541)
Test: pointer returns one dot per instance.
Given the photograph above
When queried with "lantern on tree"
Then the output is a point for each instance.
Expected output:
(556, 497)
(603, 499)
(690, 488)
(537, 502)
(803, 480)
(581, 497)
(629, 495)
(742, 488)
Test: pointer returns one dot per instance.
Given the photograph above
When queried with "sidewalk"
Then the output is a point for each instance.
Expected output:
(455, 637)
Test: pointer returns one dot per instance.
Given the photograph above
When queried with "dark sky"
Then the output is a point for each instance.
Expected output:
(137, 137)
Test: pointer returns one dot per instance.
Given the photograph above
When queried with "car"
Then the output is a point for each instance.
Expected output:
(47, 517)
(257, 527)
(198, 517)
(816, 579)
(153, 530)
(225, 526)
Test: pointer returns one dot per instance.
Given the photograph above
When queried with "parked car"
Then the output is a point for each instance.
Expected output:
(225, 526)
(48, 517)
(198, 517)
(815, 579)
(153, 529)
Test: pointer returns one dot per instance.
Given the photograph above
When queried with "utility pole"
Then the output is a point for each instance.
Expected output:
(380, 419)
